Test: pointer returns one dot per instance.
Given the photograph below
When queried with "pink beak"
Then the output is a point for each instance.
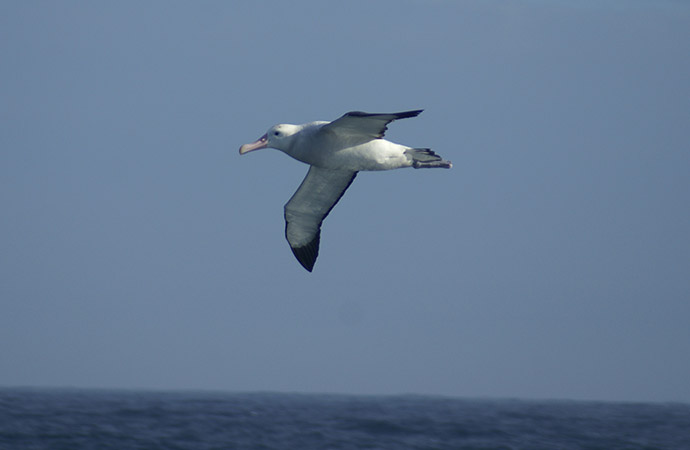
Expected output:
(261, 143)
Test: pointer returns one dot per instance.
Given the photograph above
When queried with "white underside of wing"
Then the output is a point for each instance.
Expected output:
(309, 206)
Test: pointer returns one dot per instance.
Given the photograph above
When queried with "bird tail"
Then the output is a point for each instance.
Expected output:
(422, 158)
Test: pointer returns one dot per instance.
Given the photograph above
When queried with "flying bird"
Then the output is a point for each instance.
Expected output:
(335, 152)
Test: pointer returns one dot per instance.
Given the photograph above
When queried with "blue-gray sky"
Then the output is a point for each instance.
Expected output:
(139, 250)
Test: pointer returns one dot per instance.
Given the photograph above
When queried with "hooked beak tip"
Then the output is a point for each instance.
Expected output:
(262, 142)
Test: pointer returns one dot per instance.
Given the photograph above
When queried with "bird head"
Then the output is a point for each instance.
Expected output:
(278, 137)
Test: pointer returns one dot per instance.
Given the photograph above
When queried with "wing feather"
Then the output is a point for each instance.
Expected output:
(367, 125)
(309, 206)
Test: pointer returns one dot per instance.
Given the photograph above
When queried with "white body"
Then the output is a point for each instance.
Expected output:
(322, 148)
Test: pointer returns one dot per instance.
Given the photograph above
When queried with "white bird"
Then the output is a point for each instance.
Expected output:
(335, 151)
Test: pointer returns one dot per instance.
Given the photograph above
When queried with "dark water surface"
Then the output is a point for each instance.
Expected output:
(93, 419)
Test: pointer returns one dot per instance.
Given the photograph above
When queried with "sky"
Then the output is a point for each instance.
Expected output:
(138, 250)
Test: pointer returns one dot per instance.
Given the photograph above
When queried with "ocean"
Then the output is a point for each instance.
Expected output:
(99, 419)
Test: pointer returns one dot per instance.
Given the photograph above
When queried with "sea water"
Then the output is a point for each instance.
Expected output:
(93, 419)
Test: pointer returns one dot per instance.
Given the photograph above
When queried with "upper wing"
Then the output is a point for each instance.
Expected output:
(304, 213)
(366, 125)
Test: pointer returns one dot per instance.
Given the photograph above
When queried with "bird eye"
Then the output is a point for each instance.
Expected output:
(276, 133)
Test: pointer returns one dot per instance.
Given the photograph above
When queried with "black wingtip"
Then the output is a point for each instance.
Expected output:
(306, 255)
(398, 115)
(407, 114)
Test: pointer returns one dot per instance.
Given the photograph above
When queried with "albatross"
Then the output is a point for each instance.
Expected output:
(335, 152)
